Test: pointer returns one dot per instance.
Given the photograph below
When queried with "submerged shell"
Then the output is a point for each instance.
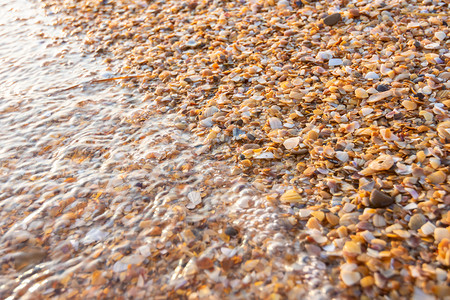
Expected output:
(291, 196)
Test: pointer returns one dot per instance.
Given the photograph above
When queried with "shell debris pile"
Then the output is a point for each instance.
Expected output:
(335, 112)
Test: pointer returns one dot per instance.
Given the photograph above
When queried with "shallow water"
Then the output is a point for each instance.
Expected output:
(80, 170)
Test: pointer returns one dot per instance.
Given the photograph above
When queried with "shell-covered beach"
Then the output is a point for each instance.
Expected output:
(225, 149)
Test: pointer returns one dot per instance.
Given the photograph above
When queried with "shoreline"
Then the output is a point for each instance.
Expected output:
(322, 134)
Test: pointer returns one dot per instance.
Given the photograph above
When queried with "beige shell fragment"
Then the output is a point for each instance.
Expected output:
(443, 129)
(382, 163)
(291, 196)
(379, 96)
(291, 143)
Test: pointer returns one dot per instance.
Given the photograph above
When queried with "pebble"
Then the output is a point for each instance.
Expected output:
(379, 199)
(231, 231)
(354, 13)
(417, 221)
(332, 19)
(382, 88)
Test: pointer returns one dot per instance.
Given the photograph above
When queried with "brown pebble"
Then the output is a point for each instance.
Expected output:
(230, 231)
(379, 199)
(354, 13)
(417, 221)
(28, 258)
(332, 19)
(205, 263)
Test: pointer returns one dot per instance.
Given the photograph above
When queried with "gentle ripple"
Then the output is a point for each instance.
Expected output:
(79, 169)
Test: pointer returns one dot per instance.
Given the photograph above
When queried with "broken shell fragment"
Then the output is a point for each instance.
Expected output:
(291, 196)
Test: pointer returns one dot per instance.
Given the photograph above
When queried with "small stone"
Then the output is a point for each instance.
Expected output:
(354, 13)
(379, 199)
(205, 263)
(361, 93)
(417, 221)
(382, 88)
(372, 76)
(230, 231)
(332, 19)
(28, 258)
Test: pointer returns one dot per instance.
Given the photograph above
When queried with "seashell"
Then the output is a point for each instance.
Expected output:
(443, 129)
(291, 196)
(352, 248)
(275, 123)
(265, 155)
(437, 177)
(409, 105)
(210, 111)
(379, 221)
(342, 156)
(350, 277)
(428, 228)
(382, 163)
(372, 76)
(361, 93)
(440, 35)
(432, 46)
(366, 111)
(295, 95)
(206, 122)
(441, 233)
(379, 96)
(335, 62)
(291, 143)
